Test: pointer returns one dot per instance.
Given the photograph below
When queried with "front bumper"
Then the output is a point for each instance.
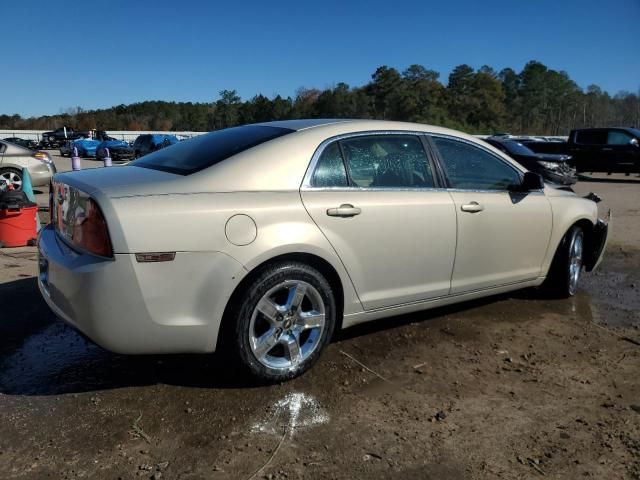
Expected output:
(560, 177)
(137, 308)
(596, 243)
(117, 154)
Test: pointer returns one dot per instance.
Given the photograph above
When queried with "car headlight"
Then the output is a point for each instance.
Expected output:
(549, 165)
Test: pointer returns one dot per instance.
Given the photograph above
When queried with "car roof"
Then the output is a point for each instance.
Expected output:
(302, 124)
(14, 148)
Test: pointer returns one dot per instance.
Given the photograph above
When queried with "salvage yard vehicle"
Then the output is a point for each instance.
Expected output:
(13, 158)
(119, 150)
(151, 142)
(57, 137)
(86, 147)
(264, 239)
(554, 168)
(609, 150)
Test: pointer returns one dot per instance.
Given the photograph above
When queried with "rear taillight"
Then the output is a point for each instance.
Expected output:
(78, 219)
(42, 156)
(90, 231)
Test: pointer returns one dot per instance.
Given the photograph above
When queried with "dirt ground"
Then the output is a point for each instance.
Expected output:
(509, 387)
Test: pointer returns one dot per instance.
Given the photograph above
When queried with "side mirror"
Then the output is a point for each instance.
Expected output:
(531, 181)
(634, 142)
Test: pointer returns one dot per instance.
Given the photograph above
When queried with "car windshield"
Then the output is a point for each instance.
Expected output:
(517, 148)
(204, 151)
(636, 132)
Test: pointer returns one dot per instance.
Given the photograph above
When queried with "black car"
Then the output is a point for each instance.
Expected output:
(119, 151)
(23, 142)
(554, 168)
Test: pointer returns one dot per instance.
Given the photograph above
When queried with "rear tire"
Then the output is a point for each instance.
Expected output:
(564, 274)
(282, 322)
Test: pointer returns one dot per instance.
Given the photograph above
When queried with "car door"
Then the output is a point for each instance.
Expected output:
(376, 199)
(588, 150)
(619, 152)
(502, 236)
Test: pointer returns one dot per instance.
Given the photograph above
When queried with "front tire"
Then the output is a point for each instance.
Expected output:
(285, 319)
(564, 274)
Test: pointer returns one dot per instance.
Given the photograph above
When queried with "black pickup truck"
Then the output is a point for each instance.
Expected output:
(60, 135)
(610, 150)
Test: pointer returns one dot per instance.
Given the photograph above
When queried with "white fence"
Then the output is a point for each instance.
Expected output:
(128, 136)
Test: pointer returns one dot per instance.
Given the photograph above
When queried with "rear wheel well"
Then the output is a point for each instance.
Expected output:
(324, 267)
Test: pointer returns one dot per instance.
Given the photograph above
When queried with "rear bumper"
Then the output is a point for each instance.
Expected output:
(41, 173)
(137, 308)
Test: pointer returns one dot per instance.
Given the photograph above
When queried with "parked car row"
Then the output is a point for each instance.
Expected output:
(119, 150)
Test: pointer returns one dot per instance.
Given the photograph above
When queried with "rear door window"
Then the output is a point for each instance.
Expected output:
(387, 161)
(330, 171)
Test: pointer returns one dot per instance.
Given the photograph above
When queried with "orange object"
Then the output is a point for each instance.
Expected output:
(18, 226)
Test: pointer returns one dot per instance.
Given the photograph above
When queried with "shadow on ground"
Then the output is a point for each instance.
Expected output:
(40, 355)
(635, 179)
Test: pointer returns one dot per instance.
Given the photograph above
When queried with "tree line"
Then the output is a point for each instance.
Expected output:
(537, 100)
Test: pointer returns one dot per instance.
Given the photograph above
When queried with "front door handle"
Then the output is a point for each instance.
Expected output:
(473, 207)
(344, 210)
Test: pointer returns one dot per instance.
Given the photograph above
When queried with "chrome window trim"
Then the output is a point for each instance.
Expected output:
(472, 190)
(306, 182)
(374, 189)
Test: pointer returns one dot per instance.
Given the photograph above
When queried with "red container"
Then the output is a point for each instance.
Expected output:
(18, 227)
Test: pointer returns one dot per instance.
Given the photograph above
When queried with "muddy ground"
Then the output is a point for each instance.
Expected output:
(510, 387)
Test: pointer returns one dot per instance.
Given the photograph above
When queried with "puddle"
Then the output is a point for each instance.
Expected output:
(292, 413)
(53, 360)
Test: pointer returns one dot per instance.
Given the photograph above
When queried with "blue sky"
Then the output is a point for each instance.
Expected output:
(128, 51)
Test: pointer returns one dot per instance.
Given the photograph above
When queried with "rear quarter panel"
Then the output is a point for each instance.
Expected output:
(197, 223)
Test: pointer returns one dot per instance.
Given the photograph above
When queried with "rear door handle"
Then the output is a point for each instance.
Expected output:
(344, 210)
(473, 207)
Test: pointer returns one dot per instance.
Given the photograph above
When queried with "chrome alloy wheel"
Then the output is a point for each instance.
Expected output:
(12, 178)
(575, 261)
(287, 325)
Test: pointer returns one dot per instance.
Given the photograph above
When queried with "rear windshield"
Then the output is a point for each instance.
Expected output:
(198, 153)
